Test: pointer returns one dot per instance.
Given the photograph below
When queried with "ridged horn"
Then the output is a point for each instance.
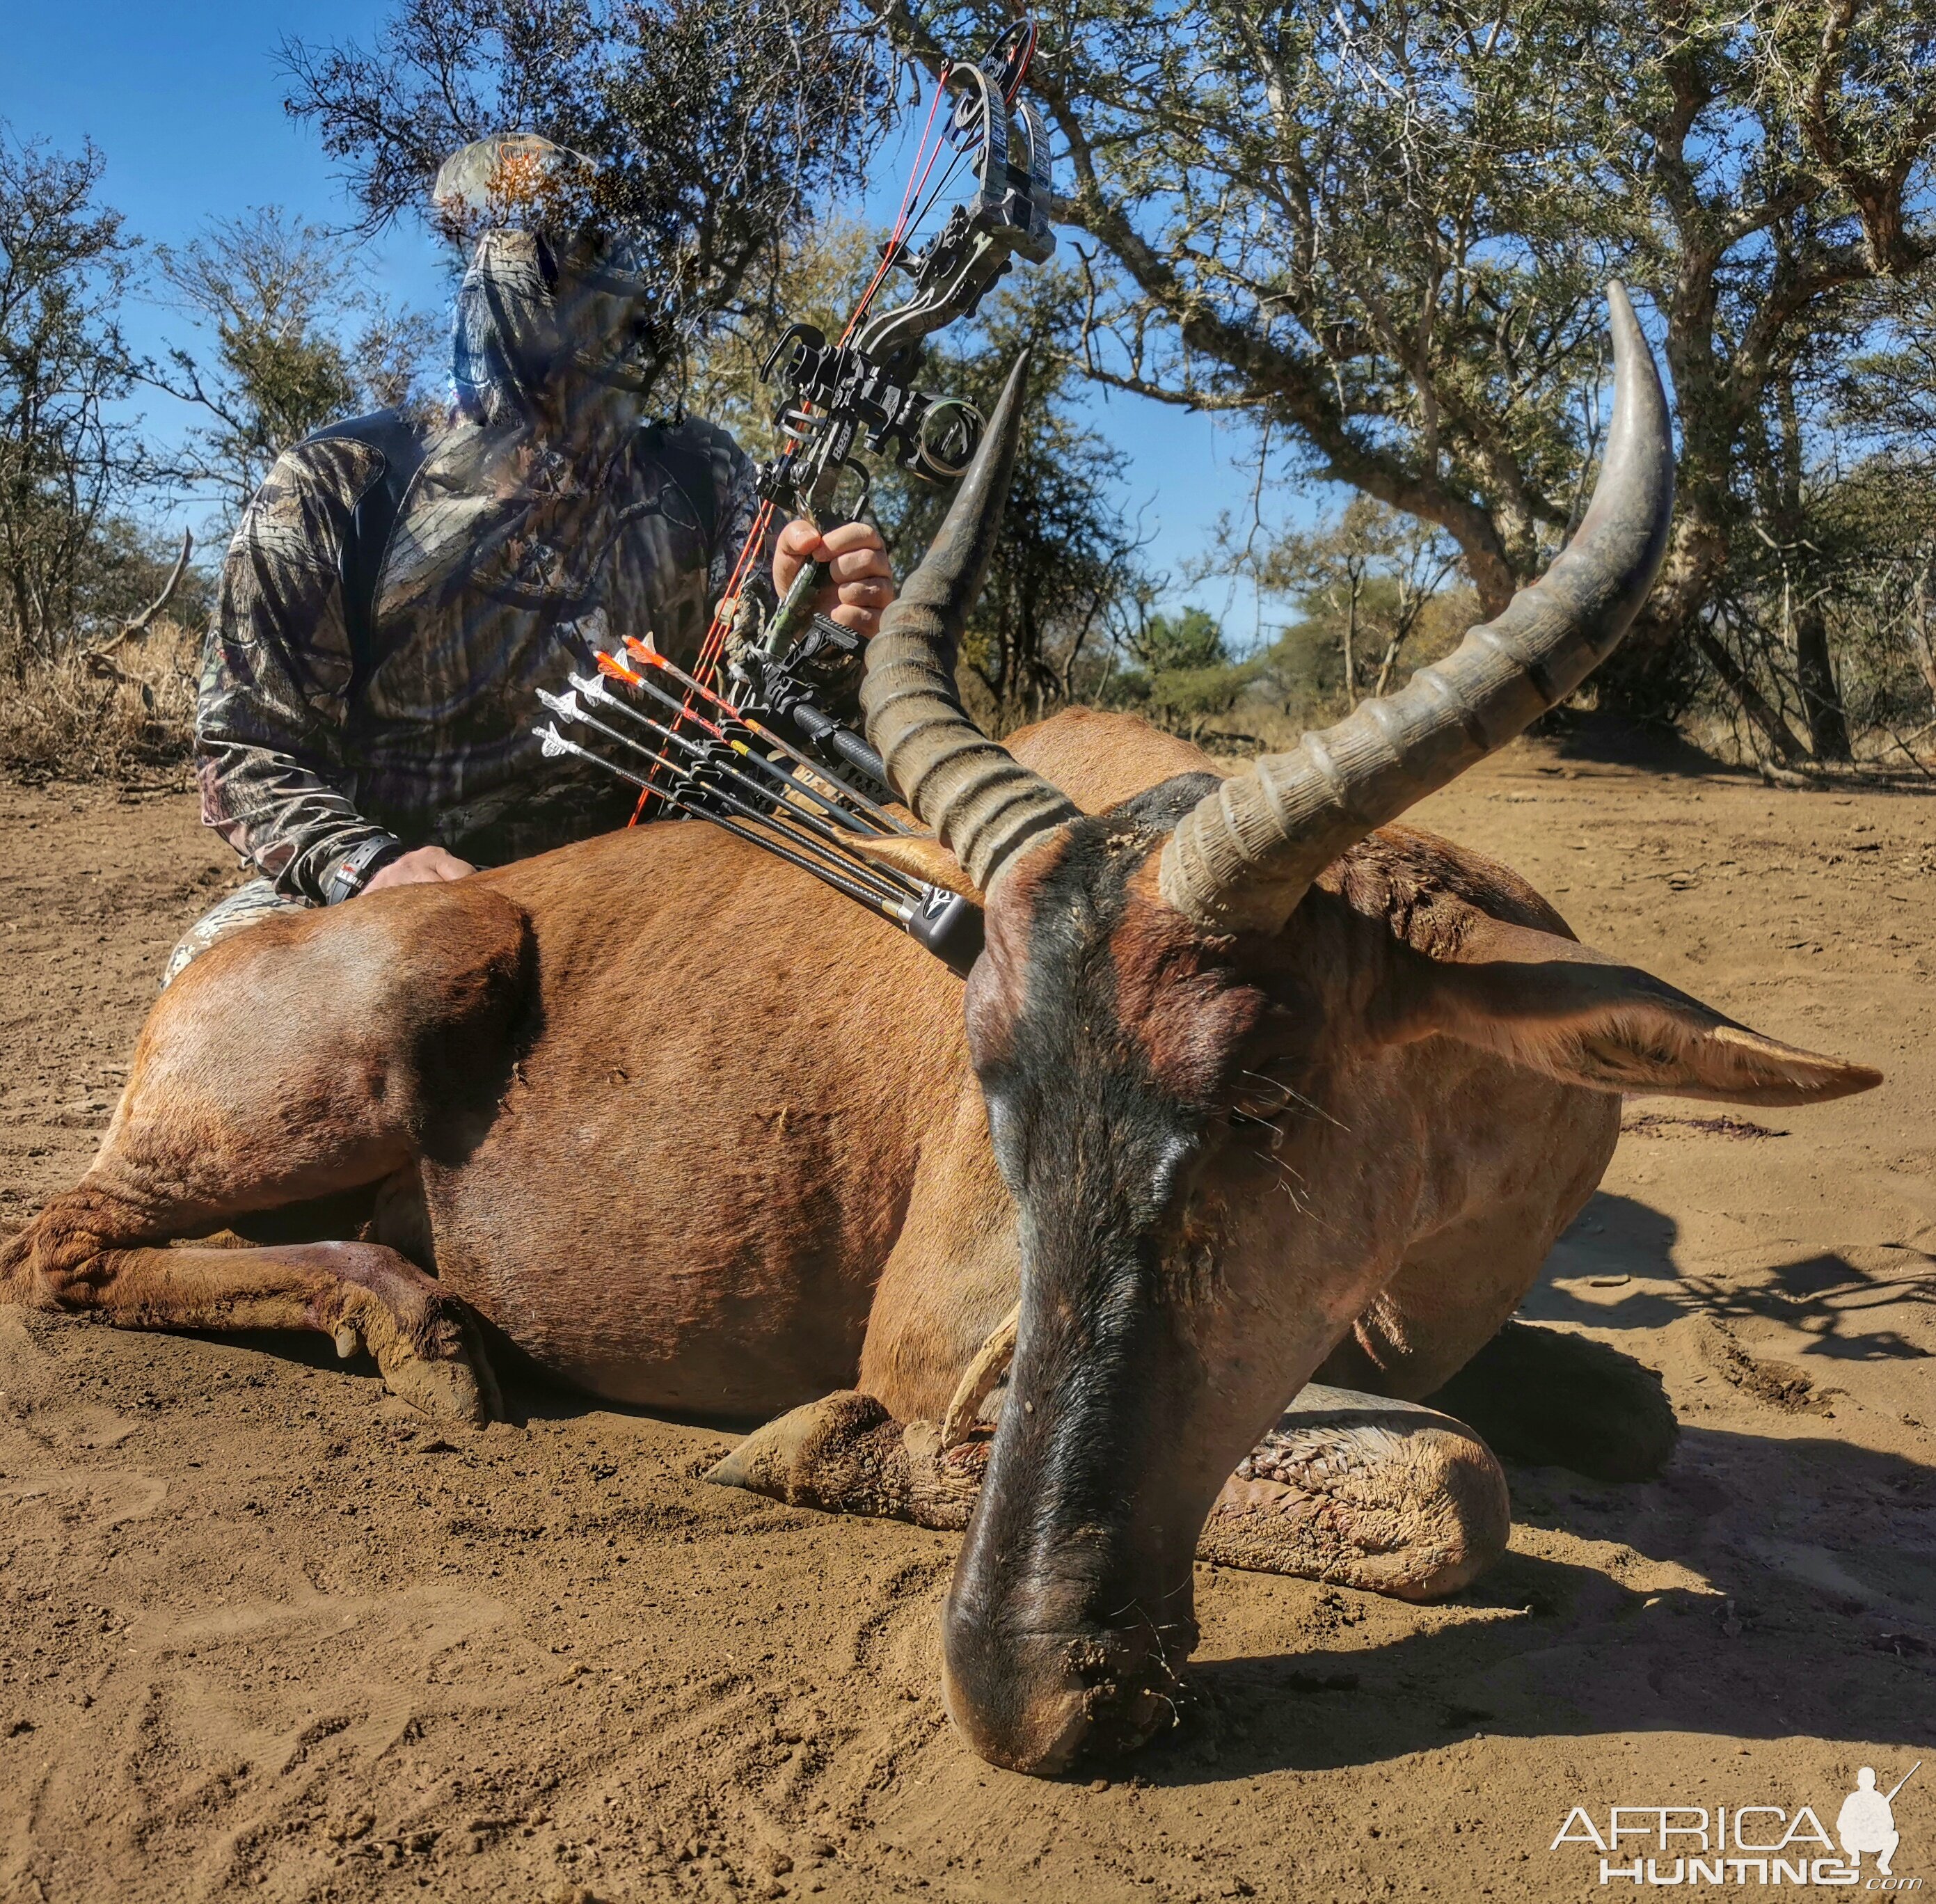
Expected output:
(981, 801)
(1246, 855)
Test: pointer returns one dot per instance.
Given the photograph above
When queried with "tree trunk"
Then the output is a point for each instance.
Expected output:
(1766, 721)
(1814, 670)
(1650, 676)
(1355, 579)
(1387, 667)
(1351, 650)
(1925, 650)
(1821, 694)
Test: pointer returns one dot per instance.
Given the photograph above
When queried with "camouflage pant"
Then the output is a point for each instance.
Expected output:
(244, 906)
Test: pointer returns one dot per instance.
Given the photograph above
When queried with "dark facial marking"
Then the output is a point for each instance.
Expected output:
(1102, 1032)
(1096, 1003)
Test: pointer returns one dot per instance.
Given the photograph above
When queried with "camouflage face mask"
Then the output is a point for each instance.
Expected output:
(546, 295)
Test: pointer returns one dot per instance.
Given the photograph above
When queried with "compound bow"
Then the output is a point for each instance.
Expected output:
(746, 740)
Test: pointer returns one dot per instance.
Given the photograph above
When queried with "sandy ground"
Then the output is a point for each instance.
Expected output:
(262, 1632)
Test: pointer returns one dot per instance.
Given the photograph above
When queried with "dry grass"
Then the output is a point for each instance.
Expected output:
(131, 720)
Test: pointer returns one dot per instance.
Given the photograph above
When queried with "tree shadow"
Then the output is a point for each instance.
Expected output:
(1838, 1305)
(1586, 736)
(1590, 737)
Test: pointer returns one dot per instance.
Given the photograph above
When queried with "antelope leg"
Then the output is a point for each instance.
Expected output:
(1358, 1491)
(1349, 1489)
(846, 1454)
(424, 1340)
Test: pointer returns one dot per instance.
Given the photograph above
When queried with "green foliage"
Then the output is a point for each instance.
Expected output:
(66, 466)
(1366, 579)
(299, 341)
(1380, 233)
(1068, 572)
(1183, 672)
(714, 127)
(1188, 643)
(814, 278)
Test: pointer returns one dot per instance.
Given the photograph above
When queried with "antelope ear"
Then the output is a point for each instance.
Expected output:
(1558, 1007)
(920, 856)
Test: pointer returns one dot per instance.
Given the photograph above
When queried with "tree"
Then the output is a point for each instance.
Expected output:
(1068, 573)
(814, 277)
(1369, 574)
(66, 465)
(278, 296)
(715, 128)
(1816, 632)
(1820, 630)
(1184, 673)
(1379, 232)
(1167, 644)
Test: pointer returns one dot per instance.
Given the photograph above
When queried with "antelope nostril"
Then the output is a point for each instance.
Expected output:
(1036, 1701)
(1109, 1658)
(1130, 1690)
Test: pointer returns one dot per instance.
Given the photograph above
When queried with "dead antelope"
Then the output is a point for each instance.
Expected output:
(1256, 1088)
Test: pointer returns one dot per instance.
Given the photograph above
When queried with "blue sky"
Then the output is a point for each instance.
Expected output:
(184, 99)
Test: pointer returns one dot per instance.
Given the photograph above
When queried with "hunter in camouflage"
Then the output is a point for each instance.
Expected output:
(366, 713)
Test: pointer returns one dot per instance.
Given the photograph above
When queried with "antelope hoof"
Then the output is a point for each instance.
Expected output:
(440, 1368)
(845, 1454)
(1358, 1491)
(802, 1457)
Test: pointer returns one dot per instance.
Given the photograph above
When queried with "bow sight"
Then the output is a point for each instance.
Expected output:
(771, 764)
(860, 389)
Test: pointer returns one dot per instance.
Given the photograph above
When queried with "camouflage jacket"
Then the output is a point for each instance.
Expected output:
(509, 563)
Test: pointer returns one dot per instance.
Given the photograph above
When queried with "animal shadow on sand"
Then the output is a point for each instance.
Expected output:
(1765, 1585)
(1783, 1635)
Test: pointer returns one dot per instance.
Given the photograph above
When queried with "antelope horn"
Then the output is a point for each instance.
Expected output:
(1247, 853)
(981, 800)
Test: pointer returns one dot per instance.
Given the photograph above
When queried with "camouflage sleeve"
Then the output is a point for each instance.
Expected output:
(276, 676)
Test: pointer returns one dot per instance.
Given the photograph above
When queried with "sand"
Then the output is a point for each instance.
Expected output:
(264, 1632)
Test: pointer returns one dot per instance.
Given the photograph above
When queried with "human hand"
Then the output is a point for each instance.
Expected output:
(423, 867)
(862, 581)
